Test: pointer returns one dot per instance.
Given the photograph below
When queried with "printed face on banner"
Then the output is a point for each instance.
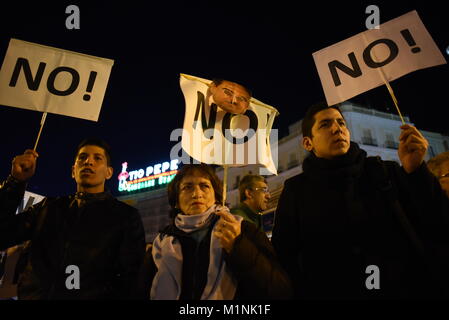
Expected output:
(215, 136)
(373, 57)
(230, 96)
(47, 79)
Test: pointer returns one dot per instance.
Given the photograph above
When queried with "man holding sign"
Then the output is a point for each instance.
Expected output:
(84, 246)
(356, 227)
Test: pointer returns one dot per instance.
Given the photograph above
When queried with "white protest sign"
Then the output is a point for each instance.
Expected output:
(214, 136)
(29, 199)
(369, 59)
(47, 79)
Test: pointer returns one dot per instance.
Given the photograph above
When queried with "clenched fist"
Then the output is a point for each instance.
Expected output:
(412, 148)
(228, 228)
(24, 166)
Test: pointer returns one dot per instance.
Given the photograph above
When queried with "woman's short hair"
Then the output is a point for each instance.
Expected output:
(189, 169)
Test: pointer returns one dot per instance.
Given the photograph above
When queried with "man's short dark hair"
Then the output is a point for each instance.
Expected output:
(205, 171)
(309, 118)
(99, 143)
(247, 182)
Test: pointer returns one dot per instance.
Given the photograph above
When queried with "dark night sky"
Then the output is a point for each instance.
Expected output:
(266, 46)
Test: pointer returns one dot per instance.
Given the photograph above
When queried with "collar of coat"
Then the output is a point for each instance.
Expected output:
(340, 170)
(91, 197)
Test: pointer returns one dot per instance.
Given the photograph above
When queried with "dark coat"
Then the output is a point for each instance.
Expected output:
(337, 218)
(249, 215)
(104, 239)
(252, 262)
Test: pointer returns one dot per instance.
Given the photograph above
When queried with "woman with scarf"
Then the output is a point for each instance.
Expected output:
(207, 253)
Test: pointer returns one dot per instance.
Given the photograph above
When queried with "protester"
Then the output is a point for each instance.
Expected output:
(83, 246)
(206, 253)
(352, 226)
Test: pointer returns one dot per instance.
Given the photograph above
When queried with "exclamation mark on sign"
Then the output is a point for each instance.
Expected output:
(90, 85)
(411, 42)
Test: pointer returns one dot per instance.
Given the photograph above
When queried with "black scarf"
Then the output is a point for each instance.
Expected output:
(88, 197)
(340, 171)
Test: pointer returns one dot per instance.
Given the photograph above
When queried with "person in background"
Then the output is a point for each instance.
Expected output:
(12, 270)
(254, 198)
(439, 166)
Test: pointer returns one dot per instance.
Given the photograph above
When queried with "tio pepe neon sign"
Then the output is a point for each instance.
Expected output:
(159, 174)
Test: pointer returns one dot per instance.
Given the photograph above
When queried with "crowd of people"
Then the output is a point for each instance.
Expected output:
(345, 214)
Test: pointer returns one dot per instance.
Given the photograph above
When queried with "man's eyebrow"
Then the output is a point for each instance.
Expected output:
(329, 120)
(95, 154)
(248, 96)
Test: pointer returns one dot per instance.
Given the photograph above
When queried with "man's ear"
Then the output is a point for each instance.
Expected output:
(248, 194)
(73, 172)
(307, 143)
(109, 173)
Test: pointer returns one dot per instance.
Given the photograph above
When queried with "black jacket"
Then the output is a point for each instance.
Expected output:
(104, 239)
(252, 261)
(337, 218)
